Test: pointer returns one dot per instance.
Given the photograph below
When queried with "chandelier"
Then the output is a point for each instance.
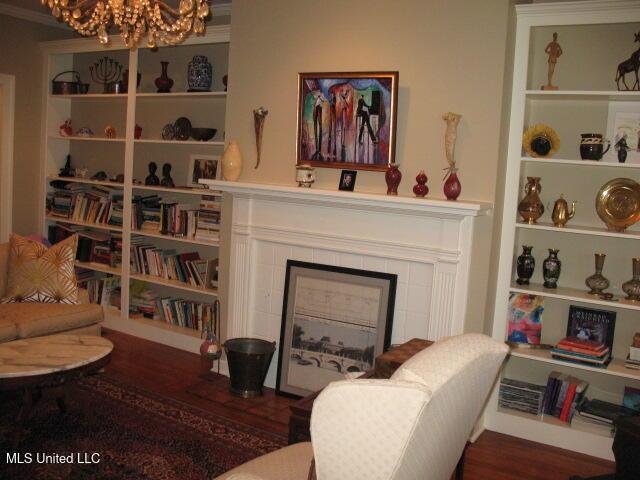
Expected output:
(134, 18)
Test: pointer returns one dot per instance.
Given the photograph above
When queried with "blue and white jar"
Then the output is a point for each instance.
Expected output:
(199, 74)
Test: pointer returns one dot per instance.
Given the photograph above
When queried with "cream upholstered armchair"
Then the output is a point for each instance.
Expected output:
(412, 426)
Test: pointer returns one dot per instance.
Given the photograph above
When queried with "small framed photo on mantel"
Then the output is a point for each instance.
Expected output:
(347, 180)
(347, 120)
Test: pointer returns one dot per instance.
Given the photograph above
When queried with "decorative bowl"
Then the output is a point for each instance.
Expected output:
(618, 203)
(203, 134)
(182, 128)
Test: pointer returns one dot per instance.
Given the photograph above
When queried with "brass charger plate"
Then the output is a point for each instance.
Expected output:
(618, 203)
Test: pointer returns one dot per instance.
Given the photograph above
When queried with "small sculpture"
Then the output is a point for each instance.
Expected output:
(152, 178)
(259, 116)
(420, 189)
(561, 214)
(109, 132)
(167, 181)
(67, 170)
(305, 175)
(84, 132)
(554, 51)
(632, 64)
(622, 148)
(100, 176)
(65, 129)
(452, 187)
(82, 172)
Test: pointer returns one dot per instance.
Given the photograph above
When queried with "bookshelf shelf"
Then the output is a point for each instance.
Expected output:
(87, 139)
(616, 366)
(186, 191)
(582, 163)
(90, 96)
(573, 294)
(105, 183)
(579, 229)
(99, 267)
(174, 284)
(194, 95)
(167, 326)
(605, 95)
(100, 226)
(194, 241)
(179, 142)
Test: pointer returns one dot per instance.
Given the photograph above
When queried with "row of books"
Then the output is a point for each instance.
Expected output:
(521, 396)
(587, 352)
(152, 213)
(86, 203)
(189, 268)
(103, 289)
(562, 394)
(99, 247)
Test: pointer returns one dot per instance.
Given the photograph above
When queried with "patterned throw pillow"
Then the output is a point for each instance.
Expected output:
(41, 274)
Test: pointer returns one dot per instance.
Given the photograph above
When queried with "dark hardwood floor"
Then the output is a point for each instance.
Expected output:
(173, 373)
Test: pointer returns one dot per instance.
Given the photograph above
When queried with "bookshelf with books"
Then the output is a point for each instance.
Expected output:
(101, 193)
(543, 329)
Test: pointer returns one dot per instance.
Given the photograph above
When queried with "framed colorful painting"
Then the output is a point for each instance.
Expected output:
(347, 120)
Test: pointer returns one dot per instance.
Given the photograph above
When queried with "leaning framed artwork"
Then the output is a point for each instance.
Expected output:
(335, 320)
(203, 167)
(347, 120)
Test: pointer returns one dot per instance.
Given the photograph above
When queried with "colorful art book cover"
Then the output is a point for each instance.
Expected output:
(525, 318)
(591, 324)
(631, 398)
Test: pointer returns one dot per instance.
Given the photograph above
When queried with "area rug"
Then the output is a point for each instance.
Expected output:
(137, 435)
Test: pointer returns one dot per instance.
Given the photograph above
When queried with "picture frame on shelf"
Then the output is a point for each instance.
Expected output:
(347, 180)
(591, 324)
(525, 318)
(623, 118)
(335, 321)
(347, 119)
(203, 167)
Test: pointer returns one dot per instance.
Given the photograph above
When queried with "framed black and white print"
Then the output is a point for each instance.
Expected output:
(335, 320)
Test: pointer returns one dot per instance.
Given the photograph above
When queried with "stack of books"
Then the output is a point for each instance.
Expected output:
(208, 221)
(562, 395)
(142, 300)
(145, 213)
(522, 396)
(185, 313)
(187, 268)
(86, 203)
(103, 289)
(585, 352)
(601, 412)
(633, 359)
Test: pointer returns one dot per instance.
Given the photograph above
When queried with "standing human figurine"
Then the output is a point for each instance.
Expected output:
(452, 187)
(167, 181)
(554, 51)
(152, 178)
(622, 148)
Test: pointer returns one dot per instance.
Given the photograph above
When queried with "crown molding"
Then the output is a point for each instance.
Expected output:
(572, 7)
(221, 10)
(30, 15)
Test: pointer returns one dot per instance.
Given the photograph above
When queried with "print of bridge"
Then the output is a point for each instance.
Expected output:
(329, 361)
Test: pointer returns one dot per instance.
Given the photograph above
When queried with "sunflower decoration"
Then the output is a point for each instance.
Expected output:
(540, 141)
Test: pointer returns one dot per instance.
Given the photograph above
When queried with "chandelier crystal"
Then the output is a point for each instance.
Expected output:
(134, 19)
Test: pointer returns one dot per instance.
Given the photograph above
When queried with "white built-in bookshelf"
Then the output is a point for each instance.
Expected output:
(129, 156)
(595, 37)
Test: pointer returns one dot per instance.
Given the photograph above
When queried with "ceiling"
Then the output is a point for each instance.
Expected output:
(36, 5)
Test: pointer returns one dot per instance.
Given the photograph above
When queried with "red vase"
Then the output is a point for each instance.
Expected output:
(163, 82)
(452, 187)
(420, 189)
(392, 177)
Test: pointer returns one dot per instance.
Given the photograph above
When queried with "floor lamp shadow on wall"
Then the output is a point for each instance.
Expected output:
(7, 110)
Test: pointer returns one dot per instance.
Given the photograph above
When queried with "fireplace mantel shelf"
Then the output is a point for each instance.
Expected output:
(357, 200)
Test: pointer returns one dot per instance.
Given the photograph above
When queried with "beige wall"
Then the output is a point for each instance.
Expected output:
(450, 55)
(20, 56)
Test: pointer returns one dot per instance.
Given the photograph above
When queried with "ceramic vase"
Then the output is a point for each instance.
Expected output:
(163, 82)
(231, 162)
(392, 177)
(551, 269)
(199, 74)
(530, 207)
(526, 264)
(452, 187)
(420, 189)
(597, 282)
(632, 287)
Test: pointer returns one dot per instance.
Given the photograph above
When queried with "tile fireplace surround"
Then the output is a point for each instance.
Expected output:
(430, 244)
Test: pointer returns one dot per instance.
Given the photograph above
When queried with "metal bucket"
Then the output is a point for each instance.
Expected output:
(248, 360)
(59, 87)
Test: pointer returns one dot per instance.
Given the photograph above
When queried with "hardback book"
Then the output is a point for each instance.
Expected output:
(604, 411)
(589, 324)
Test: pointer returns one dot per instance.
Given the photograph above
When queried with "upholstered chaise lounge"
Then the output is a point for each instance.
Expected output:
(413, 426)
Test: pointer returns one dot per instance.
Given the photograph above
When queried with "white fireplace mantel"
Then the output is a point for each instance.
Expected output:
(434, 246)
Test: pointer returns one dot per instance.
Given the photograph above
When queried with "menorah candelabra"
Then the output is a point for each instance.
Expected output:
(107, 72)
